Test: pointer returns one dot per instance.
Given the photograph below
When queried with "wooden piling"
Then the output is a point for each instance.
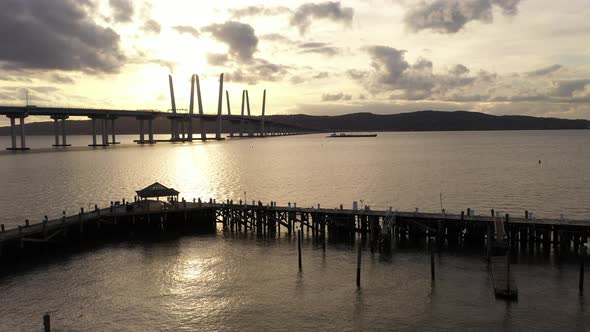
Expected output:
(47, 323)
(358, 266)
(582, 257)
(432, 272)
(299, 239)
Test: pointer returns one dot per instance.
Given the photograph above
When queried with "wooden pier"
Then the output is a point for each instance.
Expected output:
(381, 227)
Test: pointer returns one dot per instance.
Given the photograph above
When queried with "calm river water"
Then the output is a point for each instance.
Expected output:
(222, 283)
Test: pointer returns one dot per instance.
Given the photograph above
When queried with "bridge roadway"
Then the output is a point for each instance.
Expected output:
(181, 124)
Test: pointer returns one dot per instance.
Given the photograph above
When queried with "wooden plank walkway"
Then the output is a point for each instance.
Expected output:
(159, 206)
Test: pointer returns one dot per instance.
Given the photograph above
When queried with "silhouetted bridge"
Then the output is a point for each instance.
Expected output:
(181, 124)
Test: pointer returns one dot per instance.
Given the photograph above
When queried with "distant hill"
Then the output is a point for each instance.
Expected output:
(414, 121)
(429, 121)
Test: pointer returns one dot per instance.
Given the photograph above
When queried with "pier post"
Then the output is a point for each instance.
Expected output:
(151, 131)
(114, 140)
(105, 135)
(46, 323)
(219, 108)
(12, 133)
(582, 258)
(63, 132)
(141, 133)
(299, 239)
(432, 272)
(358, 266)
(23, 144)
(56, 131)
(93, 131)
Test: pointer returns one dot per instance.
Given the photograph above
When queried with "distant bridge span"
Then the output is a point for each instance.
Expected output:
(249, 125)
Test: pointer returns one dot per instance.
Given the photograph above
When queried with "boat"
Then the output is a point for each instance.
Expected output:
(334, 135)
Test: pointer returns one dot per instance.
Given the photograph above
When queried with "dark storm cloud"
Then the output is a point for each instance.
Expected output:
(122, 10)
(450, 16)
(151, 26)
(239, 37)
(303, 16)
(187, 29)
(258, 11)
(545, 70)
(56, 34)
(335, 97)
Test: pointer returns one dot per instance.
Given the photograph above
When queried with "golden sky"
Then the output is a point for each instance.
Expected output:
(501, 57)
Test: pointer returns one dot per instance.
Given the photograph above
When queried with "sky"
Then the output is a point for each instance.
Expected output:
(502, 57)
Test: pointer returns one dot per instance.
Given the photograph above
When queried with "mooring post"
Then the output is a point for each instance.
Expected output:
(26, 222)
(2, 228)
(358, 266)
(582, 257)
(47, 323)
(299, 239)
(526, 214)
(432, 273)
(508, 272)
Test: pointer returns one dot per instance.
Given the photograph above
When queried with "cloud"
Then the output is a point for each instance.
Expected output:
(333, 11)
(568, 88)
(450, 16)
(392, 74)
(57, 34)
(277, 38)
(59, 78)
(239, 37)
(319, 48)
(151, 26)
(187, 29)
(258, 11)
(544, 71)
(259, 70)
(217, 59)
(335, 97)
(122, 10)
(459, 70)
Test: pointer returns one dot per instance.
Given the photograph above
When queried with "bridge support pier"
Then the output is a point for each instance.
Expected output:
(151, 131)
(142, 140)
(113, 134)
(103, 132)
(56, 123)
(141, 133)
(23, 143)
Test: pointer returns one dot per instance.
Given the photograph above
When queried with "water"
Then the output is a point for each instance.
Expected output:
(222, 283)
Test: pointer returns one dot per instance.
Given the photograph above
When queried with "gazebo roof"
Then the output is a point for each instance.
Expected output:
(156, 190)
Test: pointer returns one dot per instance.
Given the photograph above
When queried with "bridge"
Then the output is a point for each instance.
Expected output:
(181, 124)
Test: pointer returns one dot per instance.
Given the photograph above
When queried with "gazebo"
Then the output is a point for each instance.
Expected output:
(157, 190)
